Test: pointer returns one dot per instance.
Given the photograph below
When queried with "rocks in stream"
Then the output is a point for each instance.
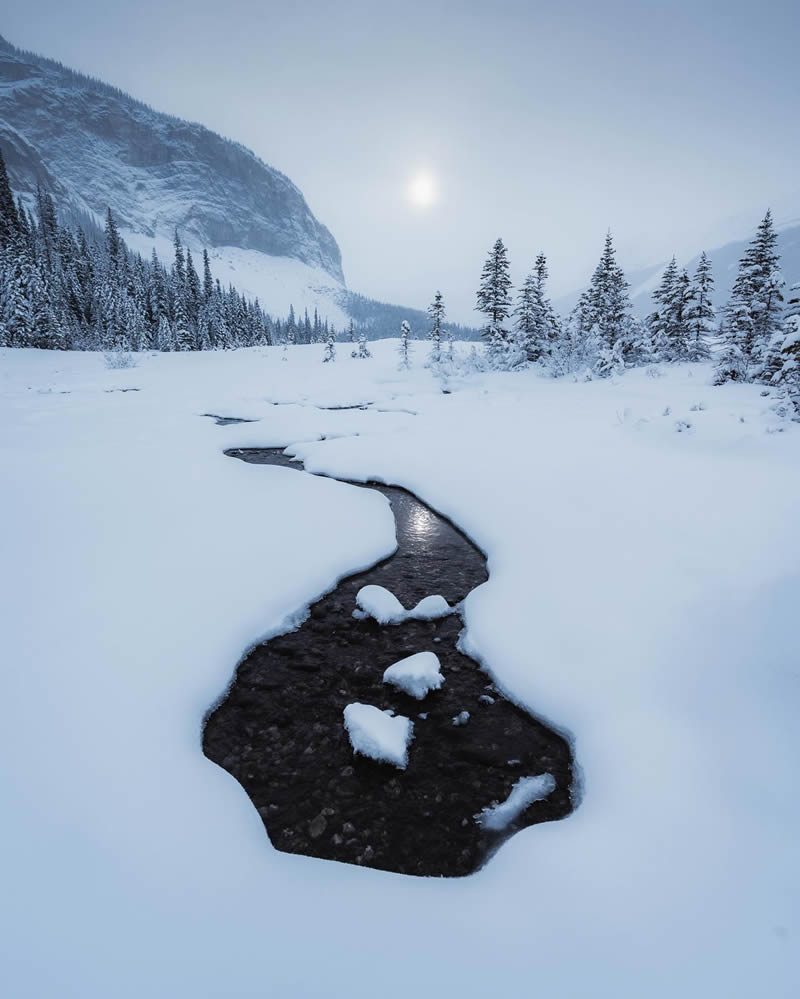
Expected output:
(279, 729)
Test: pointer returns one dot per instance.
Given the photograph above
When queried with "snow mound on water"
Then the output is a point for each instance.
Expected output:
(430, 608)
(380, 603)
(417, 675)
(524, 793)
(383, 605)
(378, 734)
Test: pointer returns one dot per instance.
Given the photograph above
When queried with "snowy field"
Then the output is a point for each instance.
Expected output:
(643, 598)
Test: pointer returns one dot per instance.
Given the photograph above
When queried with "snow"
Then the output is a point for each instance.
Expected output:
(378, 734)
(525, 791)
(383, 605)
(380, 603)
(430, 608)
(461, 718)
(642, 597)
(417, 675)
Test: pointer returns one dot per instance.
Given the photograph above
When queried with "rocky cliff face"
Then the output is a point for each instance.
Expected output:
(95, 147)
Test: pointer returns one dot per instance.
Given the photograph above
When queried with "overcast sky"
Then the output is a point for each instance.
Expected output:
(676, 124)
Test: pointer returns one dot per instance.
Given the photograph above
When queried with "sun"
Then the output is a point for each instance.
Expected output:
(422, 189)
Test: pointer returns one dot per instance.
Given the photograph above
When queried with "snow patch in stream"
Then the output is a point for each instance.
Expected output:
(524, 793)
(378, 734)
(382, 605)
(416, 675)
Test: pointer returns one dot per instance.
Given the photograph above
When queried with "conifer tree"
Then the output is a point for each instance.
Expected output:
(536, 325)
(405, 349)
(363, 349)
(701, 311)
(9, 220)
(290, 329)
(208, 281)
(330, 346)
(494, 301)
(113, 242)
(436, 312)
(788, 374)
(193, 294)
(657, 321)
(753, 313)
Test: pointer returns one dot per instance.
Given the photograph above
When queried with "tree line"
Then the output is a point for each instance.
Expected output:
(755, 338)
(63, 289)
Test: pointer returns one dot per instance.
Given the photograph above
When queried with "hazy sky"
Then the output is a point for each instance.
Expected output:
(676, 124)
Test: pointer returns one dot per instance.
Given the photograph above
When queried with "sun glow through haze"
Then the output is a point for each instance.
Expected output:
(422, 189)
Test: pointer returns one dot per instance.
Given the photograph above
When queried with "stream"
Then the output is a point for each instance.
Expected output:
(279, 728)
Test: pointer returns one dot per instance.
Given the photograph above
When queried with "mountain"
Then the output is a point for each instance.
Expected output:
(95, 147)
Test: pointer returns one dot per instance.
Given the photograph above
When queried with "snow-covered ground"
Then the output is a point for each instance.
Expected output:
(643, 597)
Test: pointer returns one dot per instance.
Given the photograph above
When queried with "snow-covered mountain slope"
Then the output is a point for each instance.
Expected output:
(95, 147)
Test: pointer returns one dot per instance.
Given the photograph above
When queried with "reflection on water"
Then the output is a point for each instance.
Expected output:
(421, 523)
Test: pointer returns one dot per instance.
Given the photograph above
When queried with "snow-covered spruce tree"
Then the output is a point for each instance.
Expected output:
(657, 321)
(753, 314)
(405, 347)
(351, 336)
(602, 319)
(363, 349)
(678, 329)
(330, 346)
(494, 301)
(9, 220)
(193, 298)
(701, 312)
(290, 329)
(787, 370)
(536, 325)
(436, 311)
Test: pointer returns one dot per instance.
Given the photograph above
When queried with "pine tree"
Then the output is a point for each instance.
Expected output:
(678, 321)
(405, 349)
(701, 311)
(193, 297)
(753, 313)
(316, 331)
(494, 301)
(608, 299)
(351, 336)
(330, 346)
(536, 325)
(208, 281)
(9, 220)
(113, 242)
(290, 329)
(363, 349)
(657, 321)
(788, 375)
(436, 311)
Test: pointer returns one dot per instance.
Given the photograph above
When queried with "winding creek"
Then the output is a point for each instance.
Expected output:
(278, 730)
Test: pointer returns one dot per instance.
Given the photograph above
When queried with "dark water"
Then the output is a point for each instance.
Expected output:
(279, 729)
(224, 421)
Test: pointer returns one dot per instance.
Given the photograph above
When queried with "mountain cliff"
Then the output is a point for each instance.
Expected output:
(94, 147)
